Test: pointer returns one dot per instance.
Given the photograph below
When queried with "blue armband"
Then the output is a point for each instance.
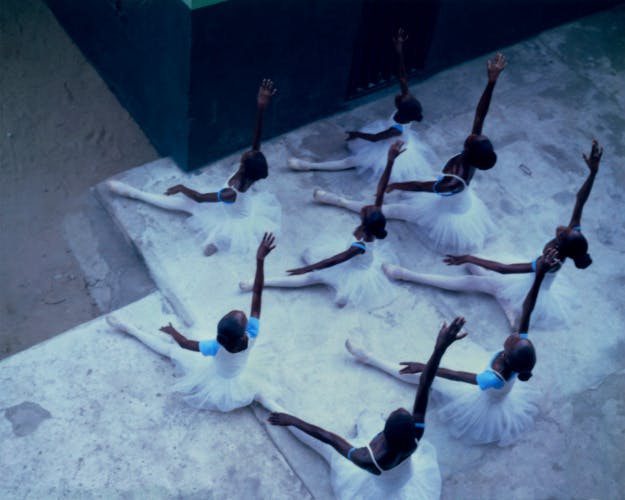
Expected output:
(420, 425)
(209, 347)
(534, 265)
(523, 335)
(349, 454)
(399, 127)
(577, 228)
(441, 194)
(360, 245)
(489, 380)
(223, 201)
(253, 325)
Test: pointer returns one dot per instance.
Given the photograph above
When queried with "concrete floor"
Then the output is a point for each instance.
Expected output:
(90, 413)
(61, 132)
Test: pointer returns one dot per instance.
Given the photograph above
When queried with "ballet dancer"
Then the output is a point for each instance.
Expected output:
(451, 216)
(509, 290)
(224, 383)
(492, 414)
(370, 145)
(238, 220)
(397, 463)
(355, 273)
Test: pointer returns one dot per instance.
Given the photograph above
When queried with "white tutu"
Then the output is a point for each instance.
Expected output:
(553, 305)
(359, 281)
(239, 227)
(371, 157)
(492, 416)
(453, 224)
(416, 478)
(223, 382)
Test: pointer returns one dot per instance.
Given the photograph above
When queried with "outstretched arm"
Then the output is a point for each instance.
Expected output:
(265, 247)
(582, 195)
(447, 336)
(398, 42)
(498, 267)
(182, 341)
(380, 136)
(393, 152)
(228, 195)
(442, 185)
(329, 262)
(265, 92)
(494, 69)
(458, 376)
(544, 264)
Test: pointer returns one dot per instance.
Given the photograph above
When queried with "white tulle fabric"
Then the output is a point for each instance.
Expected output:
(499, 416)
(239, 227)
(416, 478)
(371, 157)
(360, 280)
(452, 224)
(224, 382)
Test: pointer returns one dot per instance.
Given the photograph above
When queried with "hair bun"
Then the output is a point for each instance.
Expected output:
(583, 261)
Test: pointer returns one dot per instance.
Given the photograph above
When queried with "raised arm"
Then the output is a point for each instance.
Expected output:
(227, 195)
(398, 42)
(447, 336)
(393, 152)
(544, 264)
(494, 69)
(498, 267)
(265, 247)
(181, 340)
(329, 262)
(582, 195)
(265, 92)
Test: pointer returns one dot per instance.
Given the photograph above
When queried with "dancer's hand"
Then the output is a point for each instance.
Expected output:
(169, 329)
(411, 367)
(178, 188)
(266, 246)
(400, 39)
(549, 261)
(351, 135)
(449, 334)
(282, 419)
(395, 150)
(495, 67)
(595, 156)
(265, 92)
(456, 260)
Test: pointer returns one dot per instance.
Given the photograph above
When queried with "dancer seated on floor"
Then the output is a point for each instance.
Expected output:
(236, 223)
(370, 145)
(492, 414)
(509, 290)
(354, 274)
(397, 463)
(451, 216)
(224, 383)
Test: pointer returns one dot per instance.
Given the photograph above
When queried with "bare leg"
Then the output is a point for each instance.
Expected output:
(286, 282)
(468, 283)
(177, 203)
(333, 165)
(392, 369)
(338, 201)
(155, 342)
(512, 311)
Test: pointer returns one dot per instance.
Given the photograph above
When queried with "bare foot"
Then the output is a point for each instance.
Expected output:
(297, 164)
(360, 354)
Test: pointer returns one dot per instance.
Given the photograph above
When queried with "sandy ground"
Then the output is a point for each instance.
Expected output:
(61, 131)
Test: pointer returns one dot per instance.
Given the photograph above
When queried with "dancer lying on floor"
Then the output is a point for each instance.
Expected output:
(509, 290)
(224, 383)
(355, 273)
(370, 145)
(448, 213)
(240, 217)
(397, 463)
(493, 413)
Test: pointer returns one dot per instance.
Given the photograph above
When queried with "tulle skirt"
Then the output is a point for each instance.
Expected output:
(491, 416)
(371, 157)
(416, 478)
(453, 224)
(360, 281)
(239, 227)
